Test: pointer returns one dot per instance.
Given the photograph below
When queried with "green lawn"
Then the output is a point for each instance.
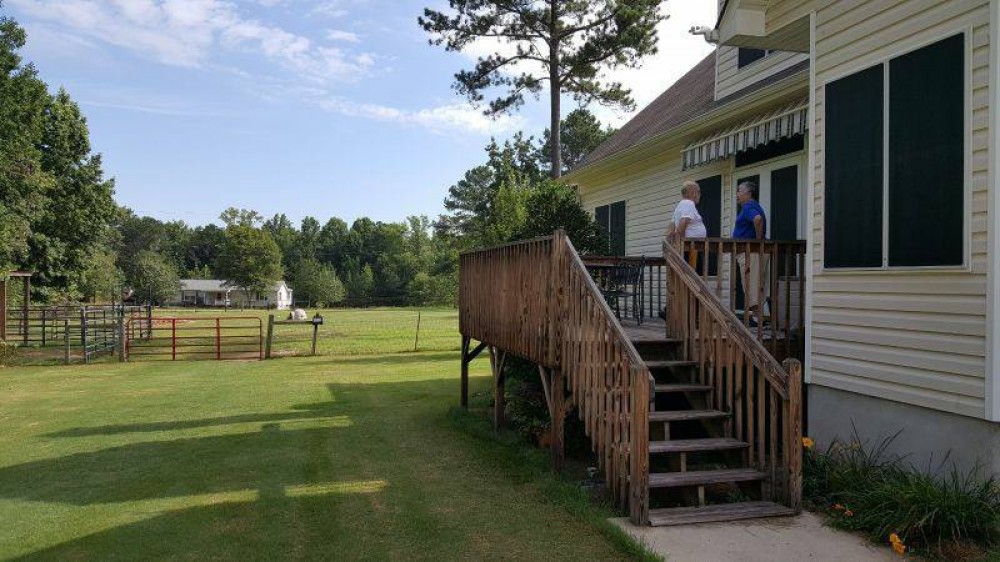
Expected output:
(304, 458)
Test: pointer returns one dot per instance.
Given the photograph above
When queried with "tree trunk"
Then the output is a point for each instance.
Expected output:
(555, 89)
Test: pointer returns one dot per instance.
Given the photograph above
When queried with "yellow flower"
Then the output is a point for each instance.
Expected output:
(894, 538)
(808, 443)
(898, 547)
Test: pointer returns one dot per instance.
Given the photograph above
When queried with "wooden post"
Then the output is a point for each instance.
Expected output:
(793, 421)
(121, 339)
(497, 360)
(83, 333)
(66, 340)
(173, 339)
(639, 448)
(3, 309)
(316, 335)
(26, 300)
(43, 327)
(416, 340)
(464, 396)
(270, 336)
(558, 413)
(218, 339)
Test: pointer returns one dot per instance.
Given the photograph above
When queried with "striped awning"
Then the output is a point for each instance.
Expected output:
(787, 121)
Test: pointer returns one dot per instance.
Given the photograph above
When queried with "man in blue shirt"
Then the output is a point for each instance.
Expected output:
(751, 224)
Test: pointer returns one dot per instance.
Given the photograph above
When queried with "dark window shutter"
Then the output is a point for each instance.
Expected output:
(784, 219)
(601, 216)
(853, 188)
(617, 221)
(710, 209)
(926, 144)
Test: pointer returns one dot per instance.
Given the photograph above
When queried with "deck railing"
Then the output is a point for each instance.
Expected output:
(762, 396)
(780, 285)
(652, 285)
(536, 299)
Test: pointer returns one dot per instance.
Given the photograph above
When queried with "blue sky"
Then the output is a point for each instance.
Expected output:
(303, 107)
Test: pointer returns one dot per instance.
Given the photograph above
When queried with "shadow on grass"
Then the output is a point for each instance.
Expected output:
(304, 412)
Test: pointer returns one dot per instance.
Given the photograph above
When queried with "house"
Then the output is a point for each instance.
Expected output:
(870, 129)
(216, 292)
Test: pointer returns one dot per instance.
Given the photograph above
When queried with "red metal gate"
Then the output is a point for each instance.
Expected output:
(186, 338)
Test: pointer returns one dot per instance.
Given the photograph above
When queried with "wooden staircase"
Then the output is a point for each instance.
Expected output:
(694, 459)
(703, 425)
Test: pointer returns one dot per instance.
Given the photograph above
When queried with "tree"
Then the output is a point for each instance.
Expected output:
(101, 279)
(564, 43)
(153, 277)
(240, 217)
(318, 283)
(249, 259)
(554, 206)
(580, 133)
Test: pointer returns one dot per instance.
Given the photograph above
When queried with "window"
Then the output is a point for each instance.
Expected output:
(612, 218)
(746, 56)
(894, 193)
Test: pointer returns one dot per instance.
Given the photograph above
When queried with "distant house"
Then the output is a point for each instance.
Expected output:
(215, 292)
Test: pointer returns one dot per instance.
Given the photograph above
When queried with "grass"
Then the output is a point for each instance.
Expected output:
(367, 331)
(305, 458)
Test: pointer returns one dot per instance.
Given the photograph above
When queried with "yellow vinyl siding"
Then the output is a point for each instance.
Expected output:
(914, 337)
(730, 79)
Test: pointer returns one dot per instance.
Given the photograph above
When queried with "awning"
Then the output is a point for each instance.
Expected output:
(787, 121)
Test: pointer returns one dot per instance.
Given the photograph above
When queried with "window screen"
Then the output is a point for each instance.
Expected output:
(853, 188)
(746, 56)
(926, 143)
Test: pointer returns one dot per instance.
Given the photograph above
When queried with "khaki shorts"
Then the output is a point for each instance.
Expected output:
(750, 274)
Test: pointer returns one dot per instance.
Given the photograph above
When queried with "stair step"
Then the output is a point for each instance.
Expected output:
(719, 512)
(642, 339)
(665, 388)
(698, 477)
(693, 445)
(670, 363)
(686, 415)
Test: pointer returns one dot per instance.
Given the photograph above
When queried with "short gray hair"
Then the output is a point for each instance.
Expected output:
(687, 187)
(748, 186)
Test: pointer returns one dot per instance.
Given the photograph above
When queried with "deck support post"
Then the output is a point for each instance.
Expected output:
(467, 357)
(793, 421)
(553, 385)
(497, 359)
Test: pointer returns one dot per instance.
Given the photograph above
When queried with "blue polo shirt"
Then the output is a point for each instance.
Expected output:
(744, 221)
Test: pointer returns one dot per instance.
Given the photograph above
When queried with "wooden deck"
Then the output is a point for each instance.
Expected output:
(652, 329)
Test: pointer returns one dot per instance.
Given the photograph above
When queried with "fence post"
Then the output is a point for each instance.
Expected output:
(83, 333)
(416, 340)
(149, 321)
(121, 338)
(270, 336)
(218, 340)
(43, 327)
(66, 338)
(173, 339)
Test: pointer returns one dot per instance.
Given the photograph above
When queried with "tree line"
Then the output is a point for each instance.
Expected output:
(59, 219)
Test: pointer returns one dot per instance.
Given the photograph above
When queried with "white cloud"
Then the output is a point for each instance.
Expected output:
(440, 119)
(189, 33)
(340, 35)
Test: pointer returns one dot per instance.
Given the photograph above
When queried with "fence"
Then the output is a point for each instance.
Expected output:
(68, 332)
(182, 338)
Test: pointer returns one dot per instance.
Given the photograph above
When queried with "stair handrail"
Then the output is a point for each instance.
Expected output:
(627, 477)
(733, 384)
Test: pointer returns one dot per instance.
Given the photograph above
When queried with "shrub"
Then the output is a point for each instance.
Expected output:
(8, 352)
(866, 489)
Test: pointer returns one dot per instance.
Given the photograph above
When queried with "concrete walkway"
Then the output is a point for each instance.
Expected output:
(777, 539)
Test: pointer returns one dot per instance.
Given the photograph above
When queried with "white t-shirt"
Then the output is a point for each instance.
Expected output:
(687, 210)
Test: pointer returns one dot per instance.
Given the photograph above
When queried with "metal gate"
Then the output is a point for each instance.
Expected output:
(187, 338)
